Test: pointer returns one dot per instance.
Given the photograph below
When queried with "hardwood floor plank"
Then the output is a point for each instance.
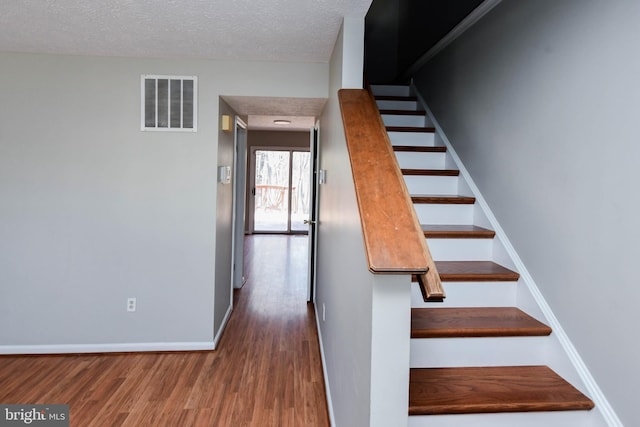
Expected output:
(266, 371)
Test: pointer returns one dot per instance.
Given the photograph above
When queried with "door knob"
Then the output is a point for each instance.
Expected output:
(307, 221)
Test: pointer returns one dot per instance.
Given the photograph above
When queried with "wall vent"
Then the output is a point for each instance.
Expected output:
(169, 103)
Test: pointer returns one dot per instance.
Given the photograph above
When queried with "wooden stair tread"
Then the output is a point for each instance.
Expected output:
(410, 129)
(404, 112)
(474, 322)
(420, 149)
(431, 172)
(491, 389)
(442, 199)
(473, 271)
(456, 231)
(395, 98)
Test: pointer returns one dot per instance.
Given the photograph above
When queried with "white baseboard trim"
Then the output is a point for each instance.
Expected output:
(216, 339)
(594, 391)
(106, 348)
(332, 420)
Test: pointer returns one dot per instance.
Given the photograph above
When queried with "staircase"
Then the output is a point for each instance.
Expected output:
(484, 357)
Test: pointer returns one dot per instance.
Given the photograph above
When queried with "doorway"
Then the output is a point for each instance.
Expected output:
(291, 170)
(281, 189)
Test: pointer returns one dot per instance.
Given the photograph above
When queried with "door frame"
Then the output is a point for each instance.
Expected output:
(243, 205)
(239, 204)
(314, 209)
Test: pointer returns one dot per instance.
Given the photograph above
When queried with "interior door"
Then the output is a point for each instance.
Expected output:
(312, 222)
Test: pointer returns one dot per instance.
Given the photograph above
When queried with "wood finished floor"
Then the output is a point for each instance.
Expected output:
(266, 371)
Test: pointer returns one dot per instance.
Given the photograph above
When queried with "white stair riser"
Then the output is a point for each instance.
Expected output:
(470, 294)
(390, 90)
(515, 419)
(403, 120)
(461, 249)
(444, 213)
(414, 139)
(431, 184)
(397, 105)
(500, 351)
(409, 160)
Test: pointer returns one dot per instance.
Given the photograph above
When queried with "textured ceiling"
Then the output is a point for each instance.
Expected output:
(261, 30)
(271, 30)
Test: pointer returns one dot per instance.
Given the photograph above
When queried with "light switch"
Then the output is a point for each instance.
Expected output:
(224, 174)
(322, 176)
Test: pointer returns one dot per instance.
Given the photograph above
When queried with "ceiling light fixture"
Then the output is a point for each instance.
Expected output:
(282, 122)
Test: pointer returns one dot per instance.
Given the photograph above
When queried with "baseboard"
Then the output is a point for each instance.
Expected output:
(594, 391)
(216, 339)
(106, 348)
(332, 421)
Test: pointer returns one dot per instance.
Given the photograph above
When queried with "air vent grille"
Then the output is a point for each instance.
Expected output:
(169, 103)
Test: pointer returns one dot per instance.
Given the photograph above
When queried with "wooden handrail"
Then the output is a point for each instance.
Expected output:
(394, 240)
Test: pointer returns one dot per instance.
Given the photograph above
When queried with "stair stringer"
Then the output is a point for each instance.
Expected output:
(528, 297)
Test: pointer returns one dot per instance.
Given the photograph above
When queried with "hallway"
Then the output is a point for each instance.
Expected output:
(275, 329)
(266, 371)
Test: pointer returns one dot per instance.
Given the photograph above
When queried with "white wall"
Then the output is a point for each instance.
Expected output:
(94, 211)
(540, 100)
(344, 284)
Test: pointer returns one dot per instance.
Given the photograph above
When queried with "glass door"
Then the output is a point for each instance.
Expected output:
(281, 191)
(300, 191)
(271, 210)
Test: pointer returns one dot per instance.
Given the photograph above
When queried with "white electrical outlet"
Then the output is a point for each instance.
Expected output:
(131, 304)
(323, 312)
